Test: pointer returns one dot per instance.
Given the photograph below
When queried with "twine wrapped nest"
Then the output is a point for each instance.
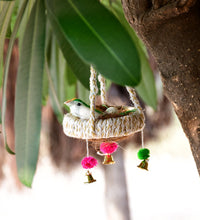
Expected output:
(110, 128)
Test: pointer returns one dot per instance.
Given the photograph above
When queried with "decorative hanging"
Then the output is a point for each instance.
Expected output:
(89, 162)
(104, 123)
(143, 154)
(108, 148)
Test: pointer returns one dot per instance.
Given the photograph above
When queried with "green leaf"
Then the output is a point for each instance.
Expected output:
(70, 91)
(146, 89)
(69, 85)
(1, 74)
(9, 150)
(29, 95)
(24, 21)
(71, 78)
(79, 68)
(98, 38)
(45, 90)
(6, 69)
(59, 75)
(14, 17)
(82, 93)
(66, 79)
(5, 16)
(55, 104)
(53, 73)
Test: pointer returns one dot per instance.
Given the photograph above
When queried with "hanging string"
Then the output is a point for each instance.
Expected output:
(87, 148)
(142, 138)
(122, 148)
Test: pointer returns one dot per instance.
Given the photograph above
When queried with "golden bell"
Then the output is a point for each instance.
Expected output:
(108, 159)
(143, 165)
(90, 177)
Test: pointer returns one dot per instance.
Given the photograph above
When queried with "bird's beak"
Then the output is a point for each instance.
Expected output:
(68, 103)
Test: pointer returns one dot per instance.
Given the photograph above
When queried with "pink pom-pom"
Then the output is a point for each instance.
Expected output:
(89, 162)
(108, 147)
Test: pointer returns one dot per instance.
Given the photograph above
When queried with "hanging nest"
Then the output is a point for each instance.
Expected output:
(114, 127)
(109, 127)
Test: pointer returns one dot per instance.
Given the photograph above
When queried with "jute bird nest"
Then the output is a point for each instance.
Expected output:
(109, 128)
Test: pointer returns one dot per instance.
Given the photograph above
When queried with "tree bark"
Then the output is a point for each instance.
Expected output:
(170, 29)
(116, 195)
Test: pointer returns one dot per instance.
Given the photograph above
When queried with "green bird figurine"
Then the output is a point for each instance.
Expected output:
(80, 109)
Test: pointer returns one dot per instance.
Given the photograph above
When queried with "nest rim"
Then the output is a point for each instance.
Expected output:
(101, 138)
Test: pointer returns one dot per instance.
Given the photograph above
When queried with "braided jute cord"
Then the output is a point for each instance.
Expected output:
(133, 98)
(102, 89)
(93, 93)
(130, 90)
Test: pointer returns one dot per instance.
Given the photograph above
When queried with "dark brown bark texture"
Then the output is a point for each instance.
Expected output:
(170, 29)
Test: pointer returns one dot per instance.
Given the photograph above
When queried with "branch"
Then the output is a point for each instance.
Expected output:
(162, 11)
(144, 11)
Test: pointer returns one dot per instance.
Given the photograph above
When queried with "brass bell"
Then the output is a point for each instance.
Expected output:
(90, 177)
(108, 159)
(143, 165)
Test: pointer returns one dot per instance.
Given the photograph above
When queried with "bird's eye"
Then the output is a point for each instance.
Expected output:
(78, 104)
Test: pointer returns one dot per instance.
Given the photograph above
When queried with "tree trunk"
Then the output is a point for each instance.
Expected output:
(116, 195)
(170, 29)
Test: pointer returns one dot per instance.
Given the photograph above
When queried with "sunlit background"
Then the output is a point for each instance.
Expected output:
(169, 190)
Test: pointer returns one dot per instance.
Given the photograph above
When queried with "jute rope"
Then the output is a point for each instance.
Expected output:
(102, 89)
(133, 98)
(93, 93)
(130, 90)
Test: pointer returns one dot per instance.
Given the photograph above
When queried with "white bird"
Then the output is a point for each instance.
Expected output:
(80, 109)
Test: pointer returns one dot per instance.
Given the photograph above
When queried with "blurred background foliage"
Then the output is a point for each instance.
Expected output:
(48, 47)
